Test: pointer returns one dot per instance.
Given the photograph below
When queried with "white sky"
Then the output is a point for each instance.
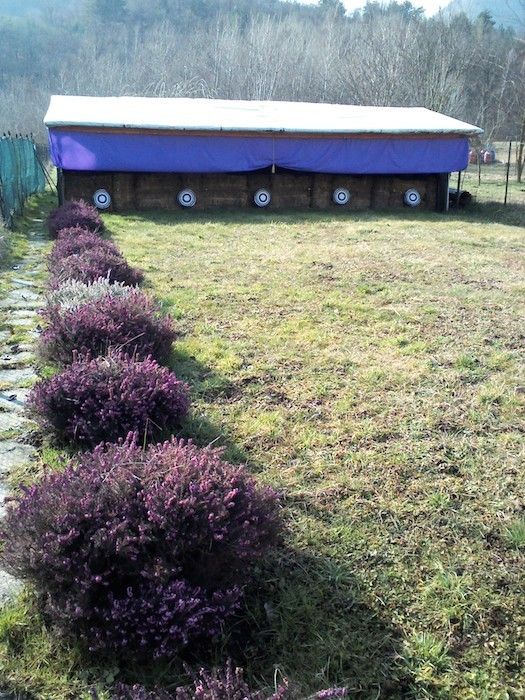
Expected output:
(430, 6)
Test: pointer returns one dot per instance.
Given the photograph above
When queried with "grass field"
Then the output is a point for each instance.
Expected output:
(369, 366)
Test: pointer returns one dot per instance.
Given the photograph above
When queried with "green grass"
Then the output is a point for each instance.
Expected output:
(35, 661)
(16, 240)
(367, 365)
(514, 534)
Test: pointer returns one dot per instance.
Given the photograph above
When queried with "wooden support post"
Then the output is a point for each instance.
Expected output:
(479, 167)
(459, 189)
(507, 173)
(60, 186)
(442, 192)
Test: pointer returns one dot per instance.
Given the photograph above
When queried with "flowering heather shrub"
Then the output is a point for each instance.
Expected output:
(107, 397)
(74, 213)
(140, 552)
(132, 324)
(221, 684)
(73, 293)
(72, 241)
(92, 264)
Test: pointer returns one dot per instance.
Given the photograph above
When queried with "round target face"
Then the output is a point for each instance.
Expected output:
(262, 198)
(341, 196)
(187, 198)
(102, 199)
(412, 198)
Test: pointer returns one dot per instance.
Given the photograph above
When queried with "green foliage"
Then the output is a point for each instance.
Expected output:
(514, 534)
(427, 660)
(33, 660)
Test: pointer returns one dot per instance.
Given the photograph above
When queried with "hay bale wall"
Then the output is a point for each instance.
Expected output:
(290, 190)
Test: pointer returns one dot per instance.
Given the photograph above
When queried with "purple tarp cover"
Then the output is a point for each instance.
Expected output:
(125, 152)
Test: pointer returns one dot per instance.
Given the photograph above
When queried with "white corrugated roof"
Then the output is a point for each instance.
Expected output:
(196, 114)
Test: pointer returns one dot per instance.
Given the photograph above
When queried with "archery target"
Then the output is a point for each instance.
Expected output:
(102, 199)
(187, 198)
(412, 198)
(262, 198)
(341, 196)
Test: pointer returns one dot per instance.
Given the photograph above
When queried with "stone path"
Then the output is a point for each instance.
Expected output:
(18, 332)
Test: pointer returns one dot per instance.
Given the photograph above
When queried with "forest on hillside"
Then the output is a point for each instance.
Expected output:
(262, 49)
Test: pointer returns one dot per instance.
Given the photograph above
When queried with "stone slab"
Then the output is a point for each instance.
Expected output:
(22, 282)
(17, 347)
(24, 322)
(14, 454)
(14, 399)
(15, 376)
(22, 295)
(9, 587)
(16, 359)
(4, 493)
(15, 314)
(15, 303)
(13, 421)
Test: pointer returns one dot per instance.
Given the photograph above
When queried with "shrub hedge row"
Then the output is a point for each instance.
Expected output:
(132, 324)
(137, 551)
(141, 552)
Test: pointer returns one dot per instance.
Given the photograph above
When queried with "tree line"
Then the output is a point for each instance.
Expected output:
(262, 49)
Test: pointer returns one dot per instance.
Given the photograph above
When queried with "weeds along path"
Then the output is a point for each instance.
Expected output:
(21, 297)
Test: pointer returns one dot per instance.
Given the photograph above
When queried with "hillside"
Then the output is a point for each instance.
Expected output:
(15, 8)
(257, 49)
(507, 13)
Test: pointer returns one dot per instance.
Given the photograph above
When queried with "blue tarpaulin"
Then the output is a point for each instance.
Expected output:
(111, 151)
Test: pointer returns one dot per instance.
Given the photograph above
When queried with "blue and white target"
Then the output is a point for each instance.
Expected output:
(187, 198)
(262, 198)
(412, 198)
(102, 199)
(341, 196)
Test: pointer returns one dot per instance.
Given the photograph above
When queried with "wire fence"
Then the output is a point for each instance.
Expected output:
(22, 174)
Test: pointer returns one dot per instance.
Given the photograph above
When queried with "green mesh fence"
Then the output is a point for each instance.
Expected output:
(21, 174)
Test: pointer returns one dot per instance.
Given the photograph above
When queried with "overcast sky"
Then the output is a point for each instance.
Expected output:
(431, 6)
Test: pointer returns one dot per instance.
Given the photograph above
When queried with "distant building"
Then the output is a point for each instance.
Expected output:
(139, 153)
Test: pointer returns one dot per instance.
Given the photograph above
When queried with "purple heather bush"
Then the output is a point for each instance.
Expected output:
(93, 264)
(72, 294)
(220, 684)
(74, 213)
(140, 552)
(133, 324)
(75, 240)
(226, 683)
(105, 398)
